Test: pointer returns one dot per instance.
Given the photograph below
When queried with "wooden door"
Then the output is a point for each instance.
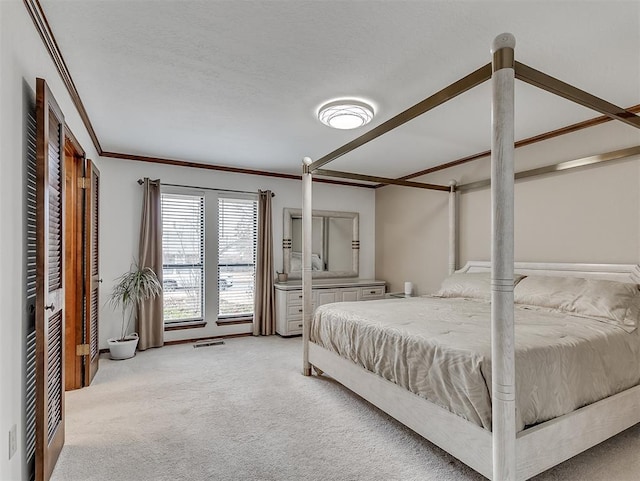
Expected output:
(49, 306)
(92, 274)
(74, 275)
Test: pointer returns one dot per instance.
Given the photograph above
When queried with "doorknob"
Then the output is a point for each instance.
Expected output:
(50, 307)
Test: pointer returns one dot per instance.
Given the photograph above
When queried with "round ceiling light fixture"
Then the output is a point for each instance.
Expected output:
(345, 114)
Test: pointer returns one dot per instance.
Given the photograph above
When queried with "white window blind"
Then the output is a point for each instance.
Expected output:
(237, 240)
(183, 257)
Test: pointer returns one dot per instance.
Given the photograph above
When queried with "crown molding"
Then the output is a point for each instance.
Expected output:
(520, 143)
(222, 168)
(46, 34)
(42, 26)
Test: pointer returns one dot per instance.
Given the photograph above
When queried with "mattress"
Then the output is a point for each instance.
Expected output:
(440, 350)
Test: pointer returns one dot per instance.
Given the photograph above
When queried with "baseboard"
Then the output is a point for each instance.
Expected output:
(188, 341)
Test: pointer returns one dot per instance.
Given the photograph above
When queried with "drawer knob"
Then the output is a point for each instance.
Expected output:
(299, 325)
(299, 310)
(372, 292)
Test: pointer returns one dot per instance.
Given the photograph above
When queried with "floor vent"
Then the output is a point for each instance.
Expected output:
(208, 342)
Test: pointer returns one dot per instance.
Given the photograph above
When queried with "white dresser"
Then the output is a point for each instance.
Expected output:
(324, 291)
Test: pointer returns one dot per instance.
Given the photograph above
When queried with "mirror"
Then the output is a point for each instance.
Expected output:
(335, 246)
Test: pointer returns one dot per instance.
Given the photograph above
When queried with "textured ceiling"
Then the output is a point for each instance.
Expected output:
(237, 83)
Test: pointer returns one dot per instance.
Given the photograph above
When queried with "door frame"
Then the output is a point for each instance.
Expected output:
(74, 363)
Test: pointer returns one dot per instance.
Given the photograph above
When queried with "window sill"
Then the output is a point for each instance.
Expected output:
(178, 326)
(229, 321)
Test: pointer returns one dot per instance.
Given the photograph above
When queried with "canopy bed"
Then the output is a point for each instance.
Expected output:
(498, 434)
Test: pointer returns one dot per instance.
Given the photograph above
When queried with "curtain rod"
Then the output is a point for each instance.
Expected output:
(141, 181)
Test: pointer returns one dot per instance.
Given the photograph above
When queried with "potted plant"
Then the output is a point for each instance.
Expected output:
(133, 287)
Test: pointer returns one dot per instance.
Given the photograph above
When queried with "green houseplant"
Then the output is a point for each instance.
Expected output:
(131, 289)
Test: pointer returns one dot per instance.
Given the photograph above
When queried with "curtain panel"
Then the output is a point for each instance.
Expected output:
(150, 321)
(264, 312)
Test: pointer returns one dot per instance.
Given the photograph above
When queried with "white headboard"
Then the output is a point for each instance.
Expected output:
(613, 272)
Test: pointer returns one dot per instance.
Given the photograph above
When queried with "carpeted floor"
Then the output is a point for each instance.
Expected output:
(243, 411)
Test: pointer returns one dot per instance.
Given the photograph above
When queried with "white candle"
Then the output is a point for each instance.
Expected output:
(408, 288)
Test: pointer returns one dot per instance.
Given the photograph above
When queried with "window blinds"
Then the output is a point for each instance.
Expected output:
(237, 241)
(183, 257)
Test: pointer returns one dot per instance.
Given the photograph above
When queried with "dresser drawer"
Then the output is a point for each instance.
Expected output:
(295, 297)
(295, 312)
(294, 327)
(374, 292)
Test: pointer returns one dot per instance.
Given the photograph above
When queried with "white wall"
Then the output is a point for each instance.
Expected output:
(22, 59)
(588, 215)
(120, 206)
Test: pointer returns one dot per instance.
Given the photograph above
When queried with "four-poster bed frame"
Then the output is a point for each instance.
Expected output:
(501, 454)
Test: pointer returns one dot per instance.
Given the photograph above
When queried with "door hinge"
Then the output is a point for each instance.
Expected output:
(82, 350)
(83, 182)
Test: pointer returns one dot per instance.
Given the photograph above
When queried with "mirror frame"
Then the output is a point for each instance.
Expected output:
(287, 243)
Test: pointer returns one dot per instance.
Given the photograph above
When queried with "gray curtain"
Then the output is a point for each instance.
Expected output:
(149, 320)
(264, 312)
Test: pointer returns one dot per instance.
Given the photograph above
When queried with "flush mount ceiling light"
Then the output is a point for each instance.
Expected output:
(345, 114)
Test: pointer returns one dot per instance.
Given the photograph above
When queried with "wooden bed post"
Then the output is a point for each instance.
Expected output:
(502, 329)
(453, 227)
(307, 215)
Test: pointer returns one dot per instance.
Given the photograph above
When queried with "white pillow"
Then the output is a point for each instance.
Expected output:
(609, 301)
(475, 285)
(316, 263)
(296, 262)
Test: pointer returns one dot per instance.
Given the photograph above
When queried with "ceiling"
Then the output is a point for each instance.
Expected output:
(238, 83)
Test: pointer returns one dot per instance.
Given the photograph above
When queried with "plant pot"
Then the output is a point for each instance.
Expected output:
(123, 349)
(283, 277)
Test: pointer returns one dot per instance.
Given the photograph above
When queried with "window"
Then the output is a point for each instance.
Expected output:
(183, 257)
(237, 239)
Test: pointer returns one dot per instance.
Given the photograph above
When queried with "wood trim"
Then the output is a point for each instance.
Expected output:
(222, 168)
(560, 166)
(42, 26)
(562, 89)
(73, 271)
(69, 137)
(188, 341)
(520, 143)
(234, 321)
(383, 180)
(179, 326)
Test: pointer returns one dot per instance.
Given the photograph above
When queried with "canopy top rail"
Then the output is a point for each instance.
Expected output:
(380, 180)
(522, 72)
(459, 87)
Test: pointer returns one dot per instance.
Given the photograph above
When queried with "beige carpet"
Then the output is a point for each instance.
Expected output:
(243, 411)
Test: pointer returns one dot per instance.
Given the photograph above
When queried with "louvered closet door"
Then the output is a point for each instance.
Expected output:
(49, 281)
(92, 274)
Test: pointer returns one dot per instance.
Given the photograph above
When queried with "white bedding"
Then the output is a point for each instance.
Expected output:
(440, 349)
